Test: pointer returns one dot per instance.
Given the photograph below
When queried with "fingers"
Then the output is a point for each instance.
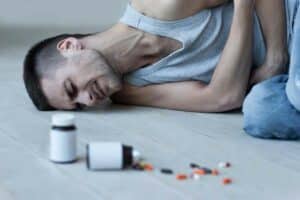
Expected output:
(254, 77)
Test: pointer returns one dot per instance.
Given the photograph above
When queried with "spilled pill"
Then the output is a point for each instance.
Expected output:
(181, 177)
(195, 176)
(138, 166)
(227, 181)
(224, 164)
(207, 170)
(194, 165)
(166, 171)
(199, 171)
(148, 167)
(215, 172)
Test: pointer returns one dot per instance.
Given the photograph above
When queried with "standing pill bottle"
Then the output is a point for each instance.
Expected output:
(63, 139)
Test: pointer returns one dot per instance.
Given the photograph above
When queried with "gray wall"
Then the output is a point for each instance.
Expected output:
(24, 22)
(60, 12)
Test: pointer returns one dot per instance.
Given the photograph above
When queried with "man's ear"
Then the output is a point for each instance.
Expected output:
(69, 45)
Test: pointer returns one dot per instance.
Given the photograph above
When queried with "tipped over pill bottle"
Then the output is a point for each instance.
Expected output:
(63, 139)
(110, 156)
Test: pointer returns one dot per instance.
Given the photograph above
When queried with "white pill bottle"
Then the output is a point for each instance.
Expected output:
(110, 156)
(63, 139)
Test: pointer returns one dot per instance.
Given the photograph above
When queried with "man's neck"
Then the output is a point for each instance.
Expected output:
(125, 48)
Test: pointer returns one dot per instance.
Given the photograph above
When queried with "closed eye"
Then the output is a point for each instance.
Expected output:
(70, 89)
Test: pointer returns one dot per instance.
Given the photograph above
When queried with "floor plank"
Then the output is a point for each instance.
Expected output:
(24, 175)
(262, 169)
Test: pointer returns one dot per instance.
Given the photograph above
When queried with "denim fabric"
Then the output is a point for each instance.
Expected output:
(293, 85)
(272, 108)
(268, 112)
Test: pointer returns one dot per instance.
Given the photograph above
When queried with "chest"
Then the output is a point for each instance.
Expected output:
(155, 47)
(169, 9)
(140, 48)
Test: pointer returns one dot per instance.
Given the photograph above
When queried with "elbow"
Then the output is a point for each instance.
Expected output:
(229, 102)
(222, 100)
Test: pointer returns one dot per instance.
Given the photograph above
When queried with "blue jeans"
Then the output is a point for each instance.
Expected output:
(268, 112)
(272, 108)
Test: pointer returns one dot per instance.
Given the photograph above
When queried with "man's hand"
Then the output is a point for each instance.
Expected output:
(271, 67)
(228, 85)
(272, 19)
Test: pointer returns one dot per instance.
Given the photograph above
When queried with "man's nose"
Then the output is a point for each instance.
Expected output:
(84, 97)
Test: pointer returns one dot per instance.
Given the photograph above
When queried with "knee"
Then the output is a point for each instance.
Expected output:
(266, 110)
(293, 93)
(256, 121)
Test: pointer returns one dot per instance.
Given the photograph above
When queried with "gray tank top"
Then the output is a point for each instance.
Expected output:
(203, 37)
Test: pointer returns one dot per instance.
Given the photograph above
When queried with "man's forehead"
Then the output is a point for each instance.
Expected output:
(54, 91)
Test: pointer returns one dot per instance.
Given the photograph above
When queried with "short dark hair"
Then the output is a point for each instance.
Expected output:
(41, 58)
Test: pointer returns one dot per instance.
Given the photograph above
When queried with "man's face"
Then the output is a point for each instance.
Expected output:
(84, 80)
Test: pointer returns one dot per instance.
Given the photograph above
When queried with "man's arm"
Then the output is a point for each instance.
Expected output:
(228, 86)
(273, 21)
(272, 17)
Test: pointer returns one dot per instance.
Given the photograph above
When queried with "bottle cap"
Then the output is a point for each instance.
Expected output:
(63, 119)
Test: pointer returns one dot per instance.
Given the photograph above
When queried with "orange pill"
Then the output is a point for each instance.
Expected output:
(227, 181)
(199, 171)
(181, 177)
(215, 172)
(148, 167)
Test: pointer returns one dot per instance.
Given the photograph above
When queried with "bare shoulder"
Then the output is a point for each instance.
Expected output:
(169, 9)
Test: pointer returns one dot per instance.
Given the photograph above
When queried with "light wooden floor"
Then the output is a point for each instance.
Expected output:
(262, 169)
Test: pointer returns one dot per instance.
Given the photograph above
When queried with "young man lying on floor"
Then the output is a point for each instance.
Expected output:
(185, 55)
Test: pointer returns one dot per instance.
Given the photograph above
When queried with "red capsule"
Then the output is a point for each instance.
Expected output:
(227, 181)
(181, 177)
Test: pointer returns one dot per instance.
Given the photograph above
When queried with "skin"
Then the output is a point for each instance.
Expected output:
(88, 76)
(273, 25)
(229, 82)
(124, 49)
(67, 90)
